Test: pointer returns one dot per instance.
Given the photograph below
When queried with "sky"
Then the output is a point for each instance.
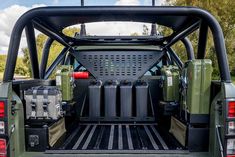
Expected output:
(11, 10)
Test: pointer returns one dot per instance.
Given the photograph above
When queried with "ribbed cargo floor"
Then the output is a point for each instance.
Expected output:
(117, 138)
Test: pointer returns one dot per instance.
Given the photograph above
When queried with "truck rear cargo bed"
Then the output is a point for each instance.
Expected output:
(118, 138)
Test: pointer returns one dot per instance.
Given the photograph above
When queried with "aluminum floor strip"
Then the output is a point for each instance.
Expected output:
(117, 138)
(81, 137)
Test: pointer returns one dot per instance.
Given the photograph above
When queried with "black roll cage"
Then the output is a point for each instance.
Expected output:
(38, 18)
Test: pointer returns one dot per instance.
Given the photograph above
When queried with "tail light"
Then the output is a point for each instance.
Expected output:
(3, 148)
(230, 129)
(231, 109)
(2, 109)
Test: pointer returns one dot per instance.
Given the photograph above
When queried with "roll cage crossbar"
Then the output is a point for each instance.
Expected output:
(52, 20)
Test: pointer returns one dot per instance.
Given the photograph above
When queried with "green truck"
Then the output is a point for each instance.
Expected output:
(118, 95)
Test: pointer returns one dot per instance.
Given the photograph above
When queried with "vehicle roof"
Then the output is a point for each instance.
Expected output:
(58, 18)
(70, 16)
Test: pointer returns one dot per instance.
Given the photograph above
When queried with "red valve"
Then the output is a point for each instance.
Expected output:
(80, 75)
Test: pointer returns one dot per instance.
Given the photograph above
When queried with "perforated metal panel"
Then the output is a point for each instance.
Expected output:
(118, 64)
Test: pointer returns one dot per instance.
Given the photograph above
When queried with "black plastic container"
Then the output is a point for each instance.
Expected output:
(36, 138)
(198, 139)
(95, 92)
(41, 137)
(110, 99)
(126, 101)
(141, 89)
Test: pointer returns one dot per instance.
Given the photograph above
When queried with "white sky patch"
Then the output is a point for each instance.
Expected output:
(8, 17)
(157, 2)
(115, 28)
(127, 2)
(55, 2)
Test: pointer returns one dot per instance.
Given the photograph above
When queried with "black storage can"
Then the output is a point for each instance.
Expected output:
(95, 92)
(141, 89)
(126, 99)
(110, 98)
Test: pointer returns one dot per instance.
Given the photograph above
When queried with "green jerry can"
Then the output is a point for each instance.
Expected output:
(64, 81)
(170, 75)
(198, 79)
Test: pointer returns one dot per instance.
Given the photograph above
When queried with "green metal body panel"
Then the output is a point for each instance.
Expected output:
(19, 126)
(15, 121)
(215, 119)
(198, 76)
(170, 83)
(64, 81)
(218, 117)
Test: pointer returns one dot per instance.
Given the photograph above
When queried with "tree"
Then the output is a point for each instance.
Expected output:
(224, 12)
(2, 63)
(54, 50)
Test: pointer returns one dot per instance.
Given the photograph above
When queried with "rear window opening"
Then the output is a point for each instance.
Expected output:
(121, 28)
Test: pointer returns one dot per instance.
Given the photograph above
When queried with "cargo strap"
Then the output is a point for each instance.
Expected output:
(34, 104)
(45, 103)
(183, 90)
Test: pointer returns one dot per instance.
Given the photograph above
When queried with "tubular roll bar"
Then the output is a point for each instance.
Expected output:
(56, 62)
(45, 55)
(203, 15)
(30, 35)
(201, 53)
(189, 48)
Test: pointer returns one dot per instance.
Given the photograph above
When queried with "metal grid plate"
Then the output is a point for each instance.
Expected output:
(118, 65)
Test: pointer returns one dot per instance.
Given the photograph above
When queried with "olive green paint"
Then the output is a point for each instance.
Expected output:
(170, 76)
(198, 76)
(64, 81)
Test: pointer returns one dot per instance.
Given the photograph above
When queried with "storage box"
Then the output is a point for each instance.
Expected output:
(40, 138)
(43, 102)
(195, 138)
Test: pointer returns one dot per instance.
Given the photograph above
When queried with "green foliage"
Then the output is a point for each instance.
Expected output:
(2, 63)
(54, 50)
(20, 69)
(224, 12)
(134, 34)
(233, 79)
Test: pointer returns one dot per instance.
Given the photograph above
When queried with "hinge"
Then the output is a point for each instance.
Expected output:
(218, 106)
(13, 109)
